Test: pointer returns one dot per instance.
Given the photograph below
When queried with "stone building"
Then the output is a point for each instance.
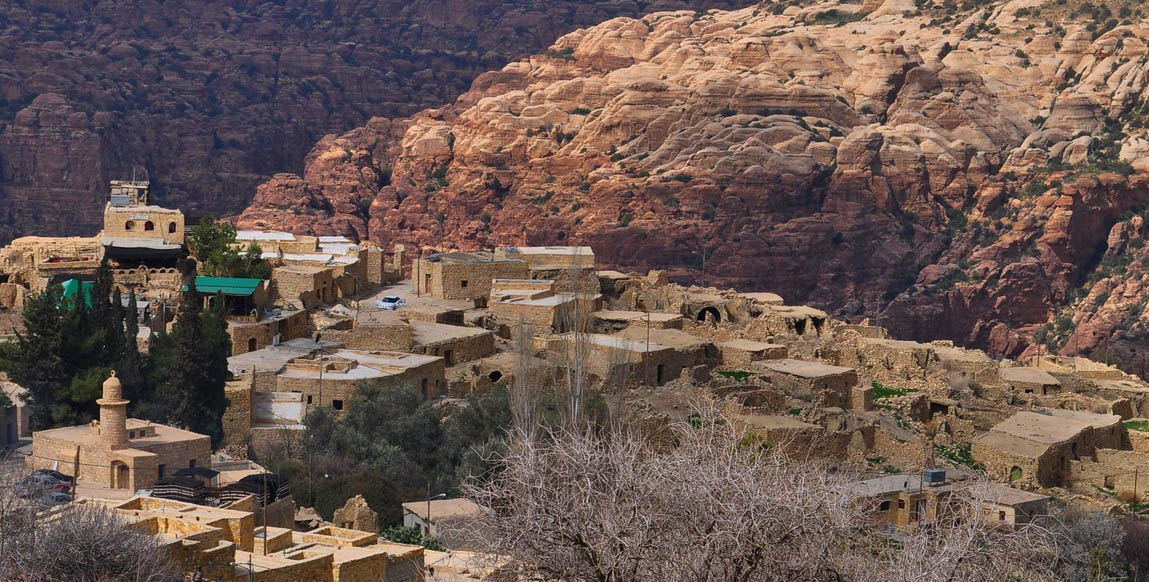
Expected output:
(741, 352)
(1038, 447)
(274, 327)
(462, 275)
(535, 303)
(135, 230)
(901, 502)
(454, 343)
(307, 286)
(571, 269)
(612, 321)
(1028, 380)
(380, 329)
(619, 359)
(118, 452)
(431, 516)
(828, 385)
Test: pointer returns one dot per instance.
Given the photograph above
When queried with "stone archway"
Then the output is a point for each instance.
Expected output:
(120, 477)
(709, 313)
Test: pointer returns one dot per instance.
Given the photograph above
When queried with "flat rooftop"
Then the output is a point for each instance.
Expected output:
(611, 315)
(763, 297)
(750, 345)
(774, 422)
(803, 369)
(275, 235)
(673, 338)
(274, 358)
(887, 484)
(433, 333)
(1028, 375)
(622, 343)
(164, 434)
(467, 258)
(894, 344)
(952, 354)
(442, 509)
(388, 359)
(1055, 427)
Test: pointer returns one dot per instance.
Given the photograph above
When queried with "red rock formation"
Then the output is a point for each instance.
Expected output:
(214, 97)
(899, 164)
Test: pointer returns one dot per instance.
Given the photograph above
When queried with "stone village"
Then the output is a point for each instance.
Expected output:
(915, 420)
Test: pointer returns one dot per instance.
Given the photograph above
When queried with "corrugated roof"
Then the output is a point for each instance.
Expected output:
(241, 287)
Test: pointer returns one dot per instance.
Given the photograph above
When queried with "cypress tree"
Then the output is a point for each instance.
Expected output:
(37, 364)
(130, 365)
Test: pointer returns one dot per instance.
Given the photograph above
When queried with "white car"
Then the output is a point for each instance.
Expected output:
(390, 302)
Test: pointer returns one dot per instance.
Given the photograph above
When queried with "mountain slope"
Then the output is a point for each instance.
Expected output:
(954, 170)
(213, 97)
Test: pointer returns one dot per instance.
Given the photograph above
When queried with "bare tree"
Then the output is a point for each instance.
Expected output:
(722, 505)
(79, 542)
(575, 319)
(525, 391)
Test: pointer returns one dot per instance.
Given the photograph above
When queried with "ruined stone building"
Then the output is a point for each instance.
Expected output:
(116, 451)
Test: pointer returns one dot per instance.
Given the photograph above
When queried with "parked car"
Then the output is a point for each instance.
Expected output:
(391, 302)
(45, 482)
(53, 474)
(57, 498)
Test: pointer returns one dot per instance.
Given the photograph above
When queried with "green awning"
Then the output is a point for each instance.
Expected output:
(73, 286)
(239, 287)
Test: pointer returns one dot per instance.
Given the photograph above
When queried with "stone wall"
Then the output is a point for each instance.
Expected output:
(461, 349)
(306, 286)
(237, 416)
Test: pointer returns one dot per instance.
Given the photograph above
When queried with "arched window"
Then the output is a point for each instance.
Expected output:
(1014, 474)
(172, 227)
(128, 225)
(149, 225)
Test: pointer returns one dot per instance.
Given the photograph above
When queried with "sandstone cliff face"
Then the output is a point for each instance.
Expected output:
(954, 171)
(213, 97)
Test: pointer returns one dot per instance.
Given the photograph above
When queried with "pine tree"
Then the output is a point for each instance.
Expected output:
(130, 363)
(191, 367)
(104, 312)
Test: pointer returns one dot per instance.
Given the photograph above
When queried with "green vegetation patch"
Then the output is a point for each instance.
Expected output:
(1137, 425)
(882, 391)
(960, 454)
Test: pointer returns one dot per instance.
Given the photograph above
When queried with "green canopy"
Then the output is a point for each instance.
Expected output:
(237, 286)
(73, 286)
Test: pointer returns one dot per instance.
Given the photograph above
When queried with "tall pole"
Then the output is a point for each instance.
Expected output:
(646, 359)
(263, 502)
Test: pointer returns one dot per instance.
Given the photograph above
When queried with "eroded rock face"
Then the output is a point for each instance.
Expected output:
(214, 97)
(920, 165)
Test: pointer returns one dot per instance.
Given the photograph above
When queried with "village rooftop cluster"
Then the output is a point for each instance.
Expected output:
(916, 420)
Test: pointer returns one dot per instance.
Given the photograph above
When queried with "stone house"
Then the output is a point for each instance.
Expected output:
(828, 385)
(307, 286)
(610, 321)
(619, 359)
(1039, 446)
(118, 452)
(535, 303)
(454, 343)
(741, 352)
(1028, 380)
(902, 502)
(464, 275)
(270, 329)
(431, 516)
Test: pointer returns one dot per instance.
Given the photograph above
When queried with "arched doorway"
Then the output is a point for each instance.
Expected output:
(121, 475)
(1014, 474)
(251, 344)
(709, 314)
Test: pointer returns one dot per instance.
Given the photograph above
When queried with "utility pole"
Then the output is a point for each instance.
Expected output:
(263, 502)
(646, 359)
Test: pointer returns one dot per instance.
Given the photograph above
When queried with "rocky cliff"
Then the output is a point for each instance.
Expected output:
(213, 97)
(968, 170)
